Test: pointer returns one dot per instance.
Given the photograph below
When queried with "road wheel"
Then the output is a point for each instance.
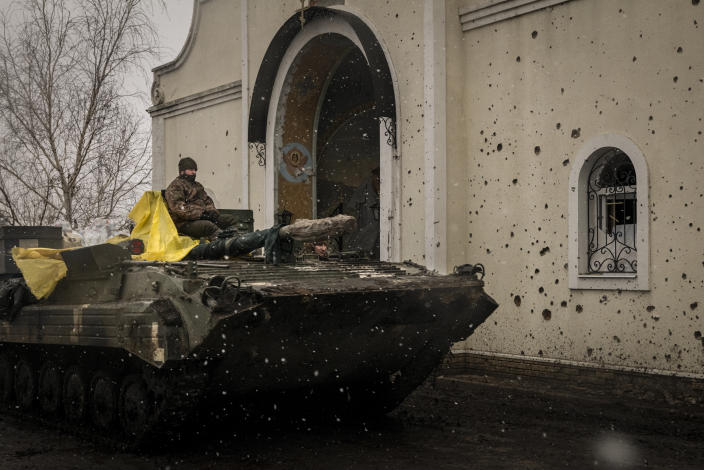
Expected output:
(134, 408)
(25, 384)
(50, 386)
(7, 373)
(103, 400)
(75, 395)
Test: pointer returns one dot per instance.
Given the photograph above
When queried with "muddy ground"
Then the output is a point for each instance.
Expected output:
(456, 422)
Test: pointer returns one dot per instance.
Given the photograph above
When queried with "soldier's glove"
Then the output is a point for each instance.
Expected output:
(212, 216)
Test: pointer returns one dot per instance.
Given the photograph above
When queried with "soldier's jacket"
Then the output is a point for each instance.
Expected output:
(187, 201)
(363, 204)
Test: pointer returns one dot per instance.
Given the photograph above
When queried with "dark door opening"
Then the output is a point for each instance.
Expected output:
(328, 139)
(347, 151)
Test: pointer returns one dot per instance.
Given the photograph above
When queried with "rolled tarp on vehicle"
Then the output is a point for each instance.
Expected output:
(43, 268)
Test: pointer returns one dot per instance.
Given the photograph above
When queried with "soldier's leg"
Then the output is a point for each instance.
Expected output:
(226, 221)
(240, 245)
(235, 246)
(243, 244)
(198, 229)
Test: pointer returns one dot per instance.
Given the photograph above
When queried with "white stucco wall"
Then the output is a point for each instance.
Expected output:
(594, 66)
(399, 26)
(217, 156)
(199, 114)
(212, 58)
(458, 156)
(212, 54)
(515, 92)
(264, 20)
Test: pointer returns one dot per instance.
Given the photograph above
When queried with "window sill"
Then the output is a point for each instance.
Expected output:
(608, 276)
(609, 281)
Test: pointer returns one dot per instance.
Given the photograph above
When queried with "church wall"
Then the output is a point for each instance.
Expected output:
(459, 158)
(399, 26)
(264, 19)
(212, 52)
(537, 88)
(523, 97)
(217, 156)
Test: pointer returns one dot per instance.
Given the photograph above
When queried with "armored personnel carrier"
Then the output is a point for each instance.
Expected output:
(135, 348)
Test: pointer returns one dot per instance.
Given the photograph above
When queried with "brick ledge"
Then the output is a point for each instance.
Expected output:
(555, 376)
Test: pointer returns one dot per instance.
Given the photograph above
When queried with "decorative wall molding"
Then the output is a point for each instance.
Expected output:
(156, 92)
(221, 94)
(493, 11)
(389, 131)
(259, 149)
(158, 161)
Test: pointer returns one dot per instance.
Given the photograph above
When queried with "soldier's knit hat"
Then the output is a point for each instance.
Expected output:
(187, 163)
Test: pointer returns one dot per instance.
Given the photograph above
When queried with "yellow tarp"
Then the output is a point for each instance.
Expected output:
(158, 232)
(43, 268)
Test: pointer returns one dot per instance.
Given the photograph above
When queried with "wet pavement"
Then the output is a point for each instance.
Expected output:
(458, 422)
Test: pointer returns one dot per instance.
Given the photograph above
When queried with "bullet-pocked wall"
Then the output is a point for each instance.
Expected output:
(399, 27)
(496, 104)
(197, 104)
(537, 89)
(202, 101)
(217, 155)
(397, 30)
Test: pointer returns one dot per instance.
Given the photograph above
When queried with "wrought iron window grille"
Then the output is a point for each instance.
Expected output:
(611, 214)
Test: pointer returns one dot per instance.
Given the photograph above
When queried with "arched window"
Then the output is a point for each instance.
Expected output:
(609, 216)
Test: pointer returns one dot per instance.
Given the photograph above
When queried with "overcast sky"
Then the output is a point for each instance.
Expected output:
(172, 26)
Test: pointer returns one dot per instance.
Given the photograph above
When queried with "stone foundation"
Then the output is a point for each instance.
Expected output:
(590, 381)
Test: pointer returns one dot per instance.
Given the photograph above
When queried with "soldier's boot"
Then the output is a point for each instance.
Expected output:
(213, 250)
(243, 244)
(269, 239)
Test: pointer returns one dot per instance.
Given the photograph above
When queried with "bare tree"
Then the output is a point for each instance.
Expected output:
(72, 147)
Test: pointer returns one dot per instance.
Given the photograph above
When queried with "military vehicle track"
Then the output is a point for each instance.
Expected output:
(134, 351)
(115, 401)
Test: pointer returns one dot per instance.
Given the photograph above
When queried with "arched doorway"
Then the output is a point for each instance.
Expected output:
(325, 152)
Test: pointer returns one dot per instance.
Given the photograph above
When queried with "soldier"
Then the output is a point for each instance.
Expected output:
(363, 204)
(191, 209)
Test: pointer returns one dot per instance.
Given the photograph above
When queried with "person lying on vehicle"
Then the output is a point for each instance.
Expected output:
(314, 232)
